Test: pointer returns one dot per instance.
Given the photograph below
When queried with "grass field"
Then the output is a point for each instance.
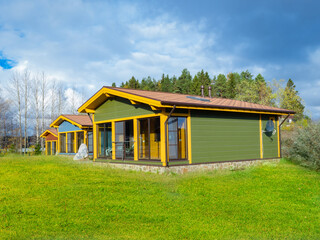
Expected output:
(56, 198)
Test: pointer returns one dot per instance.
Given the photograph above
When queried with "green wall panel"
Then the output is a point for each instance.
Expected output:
(270, 141)
(224, 136)
(120, 108)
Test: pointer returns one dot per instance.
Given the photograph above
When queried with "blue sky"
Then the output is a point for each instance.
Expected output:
(88, 44)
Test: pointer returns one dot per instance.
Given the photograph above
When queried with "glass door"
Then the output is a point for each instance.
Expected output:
(177, 136)
(124, 139)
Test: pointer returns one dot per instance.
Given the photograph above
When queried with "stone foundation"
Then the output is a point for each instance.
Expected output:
(190, 168)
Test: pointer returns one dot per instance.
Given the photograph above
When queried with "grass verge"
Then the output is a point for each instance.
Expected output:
(57, 198)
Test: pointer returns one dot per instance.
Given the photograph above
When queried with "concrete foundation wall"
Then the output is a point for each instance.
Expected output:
(189, 168)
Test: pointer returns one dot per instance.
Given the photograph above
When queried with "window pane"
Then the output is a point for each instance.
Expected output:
(80, 139)
(155, 138)
(70, 143)
(62, 142)
(143, 139)
(49, 148)
(90, 142)
(54, 148)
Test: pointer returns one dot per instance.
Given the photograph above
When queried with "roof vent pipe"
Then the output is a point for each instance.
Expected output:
(209, 91)
(202, 94)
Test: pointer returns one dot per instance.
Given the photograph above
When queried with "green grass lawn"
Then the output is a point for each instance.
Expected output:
(57, 198)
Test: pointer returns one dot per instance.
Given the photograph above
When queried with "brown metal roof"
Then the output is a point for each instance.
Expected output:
(83, 120)
(195, 101)
(54, 131)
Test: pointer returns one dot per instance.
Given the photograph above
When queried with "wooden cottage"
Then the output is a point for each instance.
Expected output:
(51, 141)
(72, 131)
(167, 129)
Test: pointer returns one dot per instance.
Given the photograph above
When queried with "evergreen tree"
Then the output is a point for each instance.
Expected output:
(165, 84)
(174, 84)
(202, 78)
(133, 83)
(114, 84)
(231, 86)
(220, 86)
(290, 99)
(184, 82)
(246, 76)
(196, 85)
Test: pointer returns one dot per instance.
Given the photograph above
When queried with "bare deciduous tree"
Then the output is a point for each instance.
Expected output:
(36, 103)
(53, 100)
(43, 92)
(15, 87)
(26, 86)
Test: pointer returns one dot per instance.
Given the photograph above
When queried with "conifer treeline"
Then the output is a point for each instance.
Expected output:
(240, 86)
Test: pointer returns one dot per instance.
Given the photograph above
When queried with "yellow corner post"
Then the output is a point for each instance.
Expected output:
(261, 143)
(163, 118)
(113, 130)
(189, 137)
(278, 130)
(95, 138)
(135, 136)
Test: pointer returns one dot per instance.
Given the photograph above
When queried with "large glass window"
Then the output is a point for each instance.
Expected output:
(177, 131)
(62, 137)
(70, 143)
(90, 142)
(48, 148)
(104, 140)
(80, 139)
(149, 138)
(54, 147)
(124, 139)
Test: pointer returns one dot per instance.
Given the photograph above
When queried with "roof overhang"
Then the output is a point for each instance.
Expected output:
(56, 123)
(105, 93)
(46, 133)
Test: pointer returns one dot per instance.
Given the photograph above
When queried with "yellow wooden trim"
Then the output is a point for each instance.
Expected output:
(155, 108)
(43, 135)
(189, 137)
(75, 137)
(113, 131)
(278, 130)
(63, 118)
(95, 135)
(51, 141)
(155, 103)
(163, 119)
(226, 110)
(59, 148)
(67, 143)
(133, 102)
(85, 141)
(129, 118)
(178, 114)
(46, 148)
(90, 110)
(260, 131)
(104, 91)
(135, 138)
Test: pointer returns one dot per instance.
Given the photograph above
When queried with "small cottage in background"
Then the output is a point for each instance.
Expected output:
(168, 129)
(72, 131)
(51, 141)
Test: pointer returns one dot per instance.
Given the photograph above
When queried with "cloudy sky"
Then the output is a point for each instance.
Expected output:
(88, 44)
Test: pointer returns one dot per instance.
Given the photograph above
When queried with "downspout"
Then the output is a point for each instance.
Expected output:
(280, 133)
(166, 134)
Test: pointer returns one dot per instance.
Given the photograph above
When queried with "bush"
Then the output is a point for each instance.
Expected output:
(302, 145)
(37, 149)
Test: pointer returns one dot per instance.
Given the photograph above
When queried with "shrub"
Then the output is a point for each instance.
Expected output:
(302, 145)
(37, 149)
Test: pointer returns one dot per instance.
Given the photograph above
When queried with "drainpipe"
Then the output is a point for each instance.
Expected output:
(166, 135)
(280, 133)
